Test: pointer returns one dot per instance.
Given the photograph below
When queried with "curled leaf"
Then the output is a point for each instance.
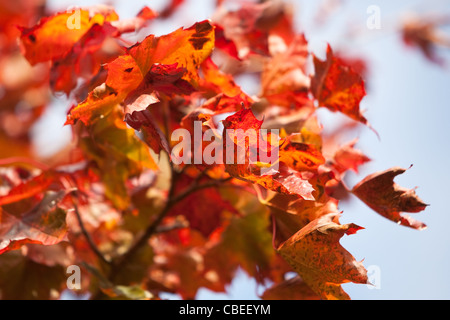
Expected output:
(382, 194)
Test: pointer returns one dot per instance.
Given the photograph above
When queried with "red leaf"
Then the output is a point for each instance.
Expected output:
(349, 158)
(284, 181)
(153, 136)
(380, 193)
(44, 224)
(284, 81)
(337, 87)
(29, 188)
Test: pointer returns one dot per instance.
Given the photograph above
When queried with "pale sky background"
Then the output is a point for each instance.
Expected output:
(407, 103)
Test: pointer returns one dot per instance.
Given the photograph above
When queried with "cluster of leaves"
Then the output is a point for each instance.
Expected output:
(139, 225)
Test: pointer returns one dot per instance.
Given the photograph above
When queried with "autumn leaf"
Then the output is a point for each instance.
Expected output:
(152, 135)
(52, 38)
(145, 62)
(123, 75)
(292, 157)
(242, 28)
(118, 154)
(44, 224)
(81, 60)
(164, 79)
(222, 103)
(292, 212)
(292, 289)
(224, 44)
(23, 279)
(337, 87)
(203, 209)
(384, 196)
(318, 257)
(300, 156)
(245, 242)
(186, 47)
(424, 34)
(284, 81)
(216, 81)
(349, 158)
(141, 224)
(29, 188)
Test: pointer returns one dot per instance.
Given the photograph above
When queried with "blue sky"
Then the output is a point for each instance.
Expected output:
(408, 104)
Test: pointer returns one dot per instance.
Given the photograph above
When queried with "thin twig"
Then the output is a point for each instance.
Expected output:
(86, 234)
(153, 228)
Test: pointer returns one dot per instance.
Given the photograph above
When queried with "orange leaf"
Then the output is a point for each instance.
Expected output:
(53, 37)
(185, 47)
(317, 256)
(300, 156)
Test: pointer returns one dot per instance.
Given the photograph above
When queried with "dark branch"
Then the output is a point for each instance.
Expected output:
(86, 234)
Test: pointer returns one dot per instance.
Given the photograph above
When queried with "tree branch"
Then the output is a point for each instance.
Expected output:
(86, 234)
(153, 228)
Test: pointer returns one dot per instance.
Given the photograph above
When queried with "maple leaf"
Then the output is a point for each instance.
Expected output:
(80, 60)
(290, 155)
(217, 82)
(142, 229)
(337, 87)
(118, 154)
(222, 103)
(203, 209)
(245, 241)
(300, 156)
(292, 289)
(52, 39)
(143, 121)
(284, 81)
(424, 34)
(349, 158)
(224, 44)
(317, 256)
(385, 197)
(129, 71)
(29, 188)
(292, 212)
(240, 27)
(166, 79)
(44, 224)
